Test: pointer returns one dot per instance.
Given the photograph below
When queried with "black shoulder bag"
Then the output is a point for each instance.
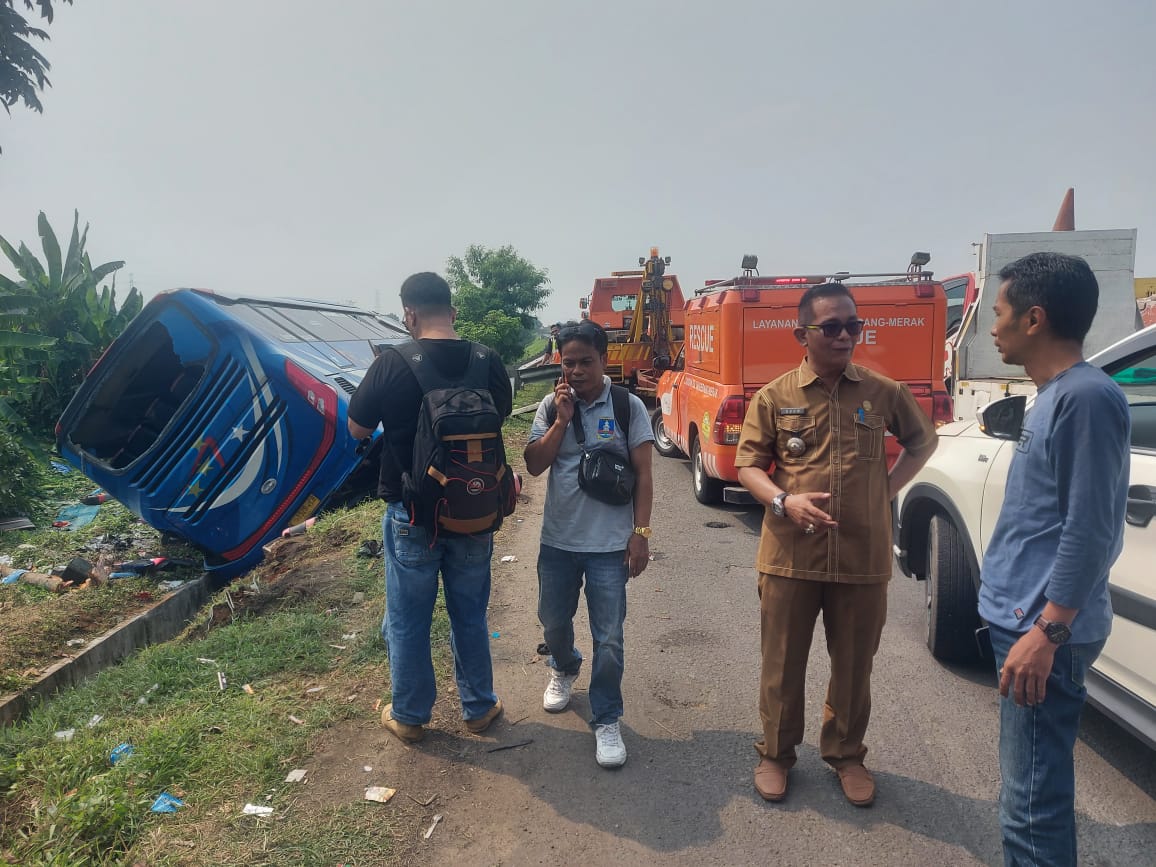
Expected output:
(603, 474)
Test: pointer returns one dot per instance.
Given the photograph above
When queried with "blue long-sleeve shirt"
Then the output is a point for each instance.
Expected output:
(1061, 526)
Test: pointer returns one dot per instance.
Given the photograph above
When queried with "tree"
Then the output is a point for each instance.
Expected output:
(54, 324)
(23, 69)
(496, 293)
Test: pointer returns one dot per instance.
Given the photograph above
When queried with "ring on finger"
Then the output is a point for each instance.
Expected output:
(810, 529)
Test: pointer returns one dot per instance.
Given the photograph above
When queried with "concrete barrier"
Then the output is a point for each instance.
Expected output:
(159, 623)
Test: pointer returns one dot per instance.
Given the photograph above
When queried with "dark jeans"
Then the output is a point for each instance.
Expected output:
(1037, 800)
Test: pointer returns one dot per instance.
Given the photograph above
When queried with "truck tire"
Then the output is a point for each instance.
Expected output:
(950, 592)
(707, 489)
(663, 444)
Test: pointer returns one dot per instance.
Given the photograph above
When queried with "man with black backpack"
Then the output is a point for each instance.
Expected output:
(441, 401)
(595, 440)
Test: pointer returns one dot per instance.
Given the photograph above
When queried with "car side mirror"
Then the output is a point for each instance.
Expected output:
(1003, 419)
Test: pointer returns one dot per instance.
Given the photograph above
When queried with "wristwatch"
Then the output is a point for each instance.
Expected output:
(779, 505)
(644, 532)
(1057, 633)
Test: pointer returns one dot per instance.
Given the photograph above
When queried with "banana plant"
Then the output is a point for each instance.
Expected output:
(54, 323)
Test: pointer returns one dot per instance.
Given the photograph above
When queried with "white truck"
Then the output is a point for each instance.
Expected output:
(978, 375)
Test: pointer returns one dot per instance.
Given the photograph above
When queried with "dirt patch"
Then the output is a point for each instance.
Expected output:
(36, 625)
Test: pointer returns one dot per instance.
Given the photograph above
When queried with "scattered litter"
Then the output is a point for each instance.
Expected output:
(48, 582)
(13, 577)
(651, 557)
(75, 516)
(349, 636)
(172, 585)
(359, 598)
(65, 735)
(222, 681)
(495, 635)
(509, 558)
(377, 706)
(338, 646)
(96, 498)
(298, 529)
(429, 831)
(205, 661)
(501, 747)
(120, 752)
(16, 524)
(368, 769)
(369, 548)
(5, 559)
(95, 721)
(257, 810)
(314, 689)
(380, 794)
(144, 699)
(166, 803)
(76, 642)
(518, 520)
(297, 776)
(424, 803)
(62, 468)
(248, 687)
(294, 719)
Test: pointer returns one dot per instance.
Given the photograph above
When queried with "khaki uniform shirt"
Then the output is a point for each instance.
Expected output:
(842, 435)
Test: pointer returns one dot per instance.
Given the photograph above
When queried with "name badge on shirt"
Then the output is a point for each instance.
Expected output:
(605, 428)
(792, 410)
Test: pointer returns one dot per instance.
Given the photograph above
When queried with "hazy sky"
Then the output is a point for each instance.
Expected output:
(330, 149)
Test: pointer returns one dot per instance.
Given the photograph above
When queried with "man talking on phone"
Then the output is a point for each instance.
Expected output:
(595, 440)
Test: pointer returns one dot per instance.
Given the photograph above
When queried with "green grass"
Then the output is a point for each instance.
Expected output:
(62, 803)
(533, 350)
(517, 427)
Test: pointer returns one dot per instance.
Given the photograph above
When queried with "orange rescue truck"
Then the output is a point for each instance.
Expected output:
(642, 312)
(740, 337)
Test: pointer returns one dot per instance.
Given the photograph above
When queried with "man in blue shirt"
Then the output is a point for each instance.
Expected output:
(1044, 587)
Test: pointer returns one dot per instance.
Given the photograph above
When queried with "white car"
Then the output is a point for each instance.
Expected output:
(945, 518)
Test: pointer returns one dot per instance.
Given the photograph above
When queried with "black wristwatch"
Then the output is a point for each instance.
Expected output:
(779, 505)
(1057, 633)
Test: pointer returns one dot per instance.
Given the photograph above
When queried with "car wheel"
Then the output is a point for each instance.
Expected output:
(950, 594)
(707, 490)
(663, 444)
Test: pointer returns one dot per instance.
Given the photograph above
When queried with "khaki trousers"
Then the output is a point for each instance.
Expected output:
(853, 618)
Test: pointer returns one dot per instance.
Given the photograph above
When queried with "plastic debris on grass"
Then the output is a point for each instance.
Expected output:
(166, 803)
(297, 776)
(257, 810)
(120, 752)
(380, 794)
(429, 831)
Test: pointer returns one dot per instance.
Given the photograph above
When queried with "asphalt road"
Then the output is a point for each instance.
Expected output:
(685, 795)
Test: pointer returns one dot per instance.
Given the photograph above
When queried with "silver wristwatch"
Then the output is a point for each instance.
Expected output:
(779, 505)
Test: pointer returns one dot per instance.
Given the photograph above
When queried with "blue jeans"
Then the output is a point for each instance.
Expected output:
(560, 575)
(1037, 800)
(412, 565)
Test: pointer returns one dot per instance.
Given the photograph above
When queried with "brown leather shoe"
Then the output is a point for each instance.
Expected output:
(771, 780)
(479, 725)
(858, 784)
(402, 731)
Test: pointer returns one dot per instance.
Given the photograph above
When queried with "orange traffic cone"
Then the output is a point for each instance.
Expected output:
(1066, 218)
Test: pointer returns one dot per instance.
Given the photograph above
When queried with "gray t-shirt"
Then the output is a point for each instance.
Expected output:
(573, 520)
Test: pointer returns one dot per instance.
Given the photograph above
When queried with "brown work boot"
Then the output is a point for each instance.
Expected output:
(858, 784)
(771, 780)
(404, 732)
(479, 725)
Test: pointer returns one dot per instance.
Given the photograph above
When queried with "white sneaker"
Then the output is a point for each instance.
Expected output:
(557, 694)
(610, 751)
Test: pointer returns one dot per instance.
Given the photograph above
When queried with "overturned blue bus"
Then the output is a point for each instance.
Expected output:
(222, 419)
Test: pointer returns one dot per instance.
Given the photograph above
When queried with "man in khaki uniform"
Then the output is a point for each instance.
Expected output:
(812, 451)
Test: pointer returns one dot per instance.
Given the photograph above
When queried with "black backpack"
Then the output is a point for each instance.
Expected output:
(460, 483)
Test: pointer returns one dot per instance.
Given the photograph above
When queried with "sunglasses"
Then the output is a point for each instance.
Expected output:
(854, 327)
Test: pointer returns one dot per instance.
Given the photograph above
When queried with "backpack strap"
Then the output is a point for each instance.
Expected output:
(477, 373)
(619, 400)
